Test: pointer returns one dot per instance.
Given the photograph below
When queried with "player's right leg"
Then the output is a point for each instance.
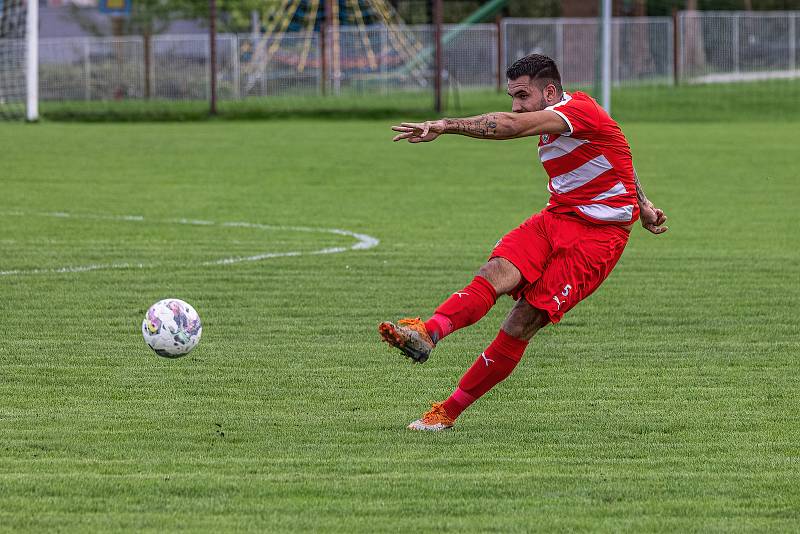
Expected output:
(416, 339)
(516, 260)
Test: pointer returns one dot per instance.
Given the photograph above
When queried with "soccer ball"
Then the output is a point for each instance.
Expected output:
(171, 328)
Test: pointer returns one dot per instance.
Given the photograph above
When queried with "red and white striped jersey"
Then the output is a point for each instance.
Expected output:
(590, 167)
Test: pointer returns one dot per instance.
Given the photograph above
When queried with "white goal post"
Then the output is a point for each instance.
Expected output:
(605, 56)
(32, 61)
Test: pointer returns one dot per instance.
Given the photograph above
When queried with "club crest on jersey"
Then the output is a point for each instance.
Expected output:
(545, 138)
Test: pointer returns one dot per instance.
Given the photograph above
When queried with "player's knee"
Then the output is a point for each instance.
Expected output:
(490, 270)
(524, 320)
(501, 273)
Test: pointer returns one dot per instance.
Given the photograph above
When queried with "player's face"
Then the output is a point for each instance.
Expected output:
(526, 96)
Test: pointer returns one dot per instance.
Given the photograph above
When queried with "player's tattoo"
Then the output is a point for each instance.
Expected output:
(639, 191)
(483, 126)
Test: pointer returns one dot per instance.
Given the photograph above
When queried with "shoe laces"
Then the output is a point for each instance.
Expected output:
(412, 322)
(436, 414)
(416, 324)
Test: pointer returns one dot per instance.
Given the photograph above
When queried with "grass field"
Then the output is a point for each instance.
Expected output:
(668, 401)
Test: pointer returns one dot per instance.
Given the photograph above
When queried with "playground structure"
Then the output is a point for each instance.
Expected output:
(364, 39)
(302, 34)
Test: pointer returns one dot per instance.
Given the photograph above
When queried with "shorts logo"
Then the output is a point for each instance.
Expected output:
(565, 294)
(545, 138)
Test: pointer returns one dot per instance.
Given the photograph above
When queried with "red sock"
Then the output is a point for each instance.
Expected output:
(491, 368)
(463, 308)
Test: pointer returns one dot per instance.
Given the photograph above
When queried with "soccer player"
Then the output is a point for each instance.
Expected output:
(557, 257)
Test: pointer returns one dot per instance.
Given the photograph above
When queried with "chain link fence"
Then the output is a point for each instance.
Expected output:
(732, 47)
(641, 48)
(169, 67)
(278, 65)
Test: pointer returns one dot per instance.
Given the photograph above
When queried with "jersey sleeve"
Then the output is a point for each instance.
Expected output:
(581, 116)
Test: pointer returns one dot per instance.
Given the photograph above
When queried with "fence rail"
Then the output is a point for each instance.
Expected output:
(704, 47)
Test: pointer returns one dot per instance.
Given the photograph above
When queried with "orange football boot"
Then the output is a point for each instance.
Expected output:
(433, 420)
(410, 336)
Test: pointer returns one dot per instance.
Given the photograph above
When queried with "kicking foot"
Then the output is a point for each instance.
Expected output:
(410, 336)
(433, 420)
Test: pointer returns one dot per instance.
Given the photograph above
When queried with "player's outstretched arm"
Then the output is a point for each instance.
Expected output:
(498, 125)
(652, 218)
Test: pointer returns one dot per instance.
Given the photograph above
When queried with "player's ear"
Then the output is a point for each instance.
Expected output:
(551, 93)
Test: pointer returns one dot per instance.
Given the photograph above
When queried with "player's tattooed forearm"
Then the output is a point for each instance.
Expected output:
(639, 191)
(480, 126)
(491, 124)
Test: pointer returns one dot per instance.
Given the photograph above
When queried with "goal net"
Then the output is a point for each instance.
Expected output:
(18, 59)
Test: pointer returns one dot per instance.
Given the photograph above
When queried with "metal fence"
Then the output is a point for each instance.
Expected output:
(738, 46)
(176, 67)
(642, 48)
(705, 47)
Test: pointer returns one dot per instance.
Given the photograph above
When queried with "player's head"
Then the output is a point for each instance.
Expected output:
(533, 83)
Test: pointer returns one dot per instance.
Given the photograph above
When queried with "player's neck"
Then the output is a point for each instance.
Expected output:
(555, 100)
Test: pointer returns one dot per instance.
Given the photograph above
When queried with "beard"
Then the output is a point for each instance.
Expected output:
(542, 104)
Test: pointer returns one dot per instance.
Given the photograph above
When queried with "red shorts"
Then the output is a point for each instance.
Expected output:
(562, 258)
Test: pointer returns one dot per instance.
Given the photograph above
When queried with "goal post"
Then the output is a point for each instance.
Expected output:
(32, 61)
(605, 55)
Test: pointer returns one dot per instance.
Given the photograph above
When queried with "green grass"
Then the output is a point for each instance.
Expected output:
(668, 401)
(687, 103)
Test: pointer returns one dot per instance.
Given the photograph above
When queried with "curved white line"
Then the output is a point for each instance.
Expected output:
(363, 241)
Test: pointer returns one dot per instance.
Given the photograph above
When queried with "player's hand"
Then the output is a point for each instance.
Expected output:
(652, 218)
(419, 132)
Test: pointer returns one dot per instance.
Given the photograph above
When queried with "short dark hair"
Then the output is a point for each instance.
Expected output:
(540, 68)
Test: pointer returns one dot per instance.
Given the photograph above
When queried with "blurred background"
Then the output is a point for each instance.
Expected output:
(157, 59)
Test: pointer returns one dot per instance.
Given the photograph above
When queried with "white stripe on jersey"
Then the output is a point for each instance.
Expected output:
(584, 174)
(564, 99)
(618, 189)
(559, 147)
(607, 213)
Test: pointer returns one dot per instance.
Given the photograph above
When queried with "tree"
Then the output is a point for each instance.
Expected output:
(694, 45)
(233, 15)
(147, 18)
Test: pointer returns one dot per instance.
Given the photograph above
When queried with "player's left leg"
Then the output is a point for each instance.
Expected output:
(492, 366)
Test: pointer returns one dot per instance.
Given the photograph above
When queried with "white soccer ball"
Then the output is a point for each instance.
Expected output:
(171, 328)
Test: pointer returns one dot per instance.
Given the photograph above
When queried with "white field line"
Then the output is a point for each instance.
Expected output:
(363, 241)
